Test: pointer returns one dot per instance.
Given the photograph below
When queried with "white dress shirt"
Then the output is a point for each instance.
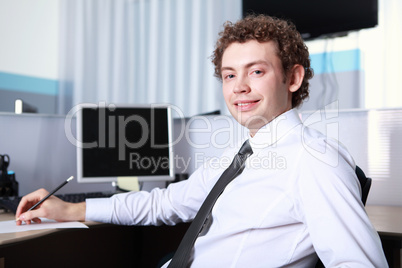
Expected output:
(298, 196)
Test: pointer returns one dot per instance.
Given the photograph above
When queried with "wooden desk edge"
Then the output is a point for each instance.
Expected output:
(8, 238)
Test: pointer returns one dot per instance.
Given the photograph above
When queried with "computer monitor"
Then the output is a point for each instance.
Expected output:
(124, 141)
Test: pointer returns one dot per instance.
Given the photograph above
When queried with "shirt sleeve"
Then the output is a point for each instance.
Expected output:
(330, 198)
(98, 209)
(177, 203)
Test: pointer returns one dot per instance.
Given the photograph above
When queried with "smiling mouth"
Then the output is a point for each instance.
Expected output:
(243, 106)
(240, 104)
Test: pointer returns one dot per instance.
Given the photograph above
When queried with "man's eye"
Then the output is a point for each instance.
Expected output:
(258, 72)
(230, 76)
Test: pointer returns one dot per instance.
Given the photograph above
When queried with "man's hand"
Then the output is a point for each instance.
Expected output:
(53, 208)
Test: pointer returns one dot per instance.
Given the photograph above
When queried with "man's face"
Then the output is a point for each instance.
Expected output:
(253, 83)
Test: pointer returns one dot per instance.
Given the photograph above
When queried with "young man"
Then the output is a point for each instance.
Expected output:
(276, 216)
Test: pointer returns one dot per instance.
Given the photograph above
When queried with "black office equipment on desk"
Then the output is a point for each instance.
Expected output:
(8, 183)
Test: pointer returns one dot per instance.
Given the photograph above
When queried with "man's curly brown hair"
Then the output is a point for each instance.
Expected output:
(290, 46)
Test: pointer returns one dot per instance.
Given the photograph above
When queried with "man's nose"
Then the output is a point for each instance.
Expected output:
(242, 86)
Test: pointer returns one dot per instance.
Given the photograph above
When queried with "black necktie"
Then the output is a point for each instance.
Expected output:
(182, 255)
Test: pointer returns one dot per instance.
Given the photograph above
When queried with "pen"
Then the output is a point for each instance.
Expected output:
(51, 193)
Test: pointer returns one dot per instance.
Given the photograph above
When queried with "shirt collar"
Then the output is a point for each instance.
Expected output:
(274, 130)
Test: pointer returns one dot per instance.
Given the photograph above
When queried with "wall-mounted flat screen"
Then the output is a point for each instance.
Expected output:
(319, 18)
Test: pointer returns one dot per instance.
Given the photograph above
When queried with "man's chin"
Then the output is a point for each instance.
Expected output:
(252, 122)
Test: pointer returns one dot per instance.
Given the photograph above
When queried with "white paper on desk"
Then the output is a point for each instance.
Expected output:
(11, 227)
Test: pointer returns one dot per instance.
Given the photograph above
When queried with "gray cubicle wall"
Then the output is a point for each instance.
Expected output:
(40, 153)
(38, 92)
(44, 103)
(42, 156)
(200, 138)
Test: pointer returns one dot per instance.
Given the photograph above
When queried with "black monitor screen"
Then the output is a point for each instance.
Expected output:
(124, 142)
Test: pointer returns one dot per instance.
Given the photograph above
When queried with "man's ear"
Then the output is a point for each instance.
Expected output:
(296, 77)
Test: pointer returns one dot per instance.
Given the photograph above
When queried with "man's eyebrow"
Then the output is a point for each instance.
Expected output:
(248, 65)
(227, 68)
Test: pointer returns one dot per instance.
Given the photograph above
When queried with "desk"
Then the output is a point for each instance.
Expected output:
(10, 238)
(107, 245)
(387, 220)
(101, 245)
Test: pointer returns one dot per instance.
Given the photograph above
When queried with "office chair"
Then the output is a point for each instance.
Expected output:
(365, 184)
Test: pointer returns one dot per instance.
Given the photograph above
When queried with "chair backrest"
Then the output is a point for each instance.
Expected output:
(365, 184)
